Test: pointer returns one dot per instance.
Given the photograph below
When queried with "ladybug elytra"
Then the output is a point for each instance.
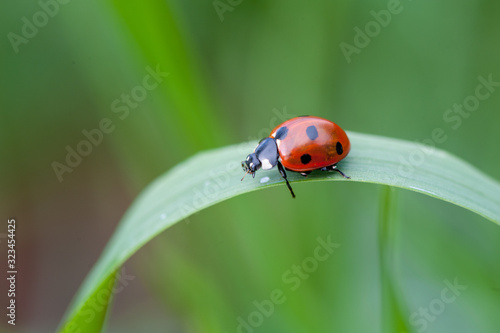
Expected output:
(301, 144)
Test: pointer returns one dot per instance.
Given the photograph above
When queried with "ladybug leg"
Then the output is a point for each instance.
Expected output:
(283, 174)
(334, 168)
(305, 173)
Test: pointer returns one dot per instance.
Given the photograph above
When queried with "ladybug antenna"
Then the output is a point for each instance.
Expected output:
(248, 171)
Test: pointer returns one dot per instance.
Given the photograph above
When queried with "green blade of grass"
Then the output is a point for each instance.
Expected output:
(92, 313)
(213, 176)
(391, 316)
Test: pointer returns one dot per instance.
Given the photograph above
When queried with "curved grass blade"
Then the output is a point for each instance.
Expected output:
(213, 176)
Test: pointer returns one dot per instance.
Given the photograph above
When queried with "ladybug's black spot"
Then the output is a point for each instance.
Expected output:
(281, 133)
(340, 149)
(312, 132)
(306, 158)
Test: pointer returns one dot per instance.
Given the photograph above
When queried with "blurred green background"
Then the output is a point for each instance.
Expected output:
(236, 69)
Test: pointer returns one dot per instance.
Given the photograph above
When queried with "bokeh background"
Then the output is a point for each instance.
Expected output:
(235, 68)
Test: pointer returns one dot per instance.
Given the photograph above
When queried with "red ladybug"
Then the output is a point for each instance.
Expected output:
(301, 144)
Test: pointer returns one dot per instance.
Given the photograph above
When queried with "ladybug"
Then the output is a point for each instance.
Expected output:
(300, 144)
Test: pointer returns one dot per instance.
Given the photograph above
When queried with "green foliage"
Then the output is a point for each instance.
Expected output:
(230, 81)
(214, 176)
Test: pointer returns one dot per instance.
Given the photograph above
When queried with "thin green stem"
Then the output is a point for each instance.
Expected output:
(392, 319)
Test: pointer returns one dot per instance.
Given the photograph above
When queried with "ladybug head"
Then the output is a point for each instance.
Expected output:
(251, 164)
(265, 156)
